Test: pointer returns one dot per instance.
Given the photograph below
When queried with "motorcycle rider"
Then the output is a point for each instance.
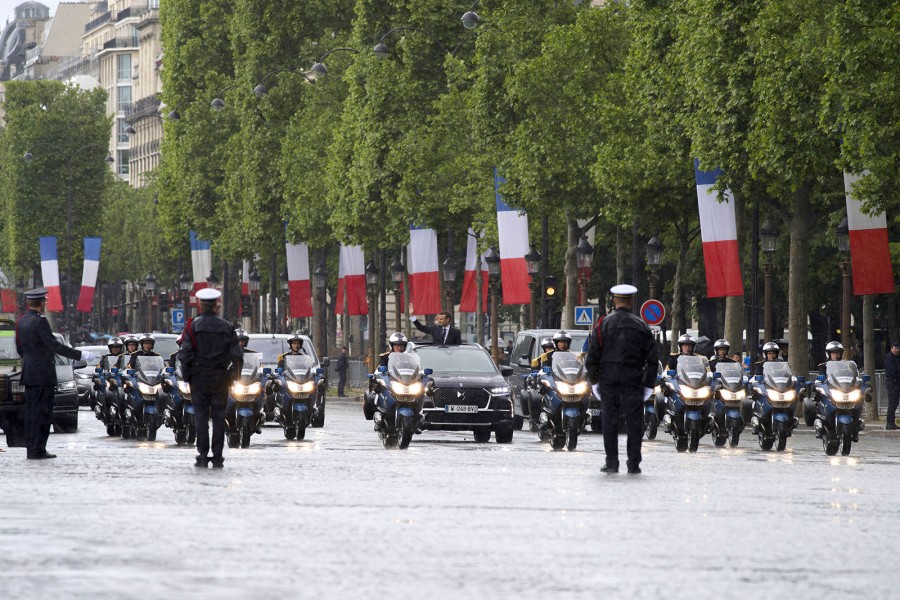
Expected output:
(834, 351)
(771, 353)
(131, 344)
(296, 344)
(116, 346)
(686, 345)
(546, 348)
(244, 339)
(562, 341)
(398, 343)
(721, 348)
(147, 342)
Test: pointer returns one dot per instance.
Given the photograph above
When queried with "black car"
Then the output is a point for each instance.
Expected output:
(469, 393)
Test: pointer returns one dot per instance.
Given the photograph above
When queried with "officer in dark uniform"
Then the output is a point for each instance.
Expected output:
(398, 343)
(721, 348)
(686, 345)
(296, 344)
(37, 345)
(244, 339)
(834, 351)
(622, 360)
(892, 383)
(210, 358)
(770, 353)
(560, 342)
(131, 344)
(116, 347)
(147, 343)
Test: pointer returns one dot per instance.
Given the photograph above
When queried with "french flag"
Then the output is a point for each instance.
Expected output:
(512, 227)
(352, 282)
(469, 290)
(89, 275)
(7, 295)
(201, 260)
(299, 290)
(718, 232)
(422, 258)
(50, 273)
(870, 254)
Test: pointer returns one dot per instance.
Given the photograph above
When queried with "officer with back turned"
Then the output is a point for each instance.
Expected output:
(622, 360)
(37, 345)
(211, 358)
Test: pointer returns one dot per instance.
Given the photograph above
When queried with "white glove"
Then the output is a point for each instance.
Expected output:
(596, 390)
(647, 393)
(87, 356)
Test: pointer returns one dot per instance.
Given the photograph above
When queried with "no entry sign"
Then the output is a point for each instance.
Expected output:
(653, 312)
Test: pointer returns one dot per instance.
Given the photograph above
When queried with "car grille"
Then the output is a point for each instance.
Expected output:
(454, 396)
(4, 388)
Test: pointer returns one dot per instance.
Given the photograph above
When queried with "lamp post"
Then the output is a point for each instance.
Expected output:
(492, 258)
(448, 270)
(585, 255)
(533, 264)
(285, 290)
(150, 286)
(372, 290)
(654, 255)
(768, 237)
(212, 280)
(320, 282)
(254, 282)
(397, 272)
(843, 238)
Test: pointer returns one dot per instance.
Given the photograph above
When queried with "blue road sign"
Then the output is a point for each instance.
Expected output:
(177, 319)
(584, 316)
(653, 312)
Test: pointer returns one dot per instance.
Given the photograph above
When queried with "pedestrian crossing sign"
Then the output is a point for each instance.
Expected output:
(584, 316)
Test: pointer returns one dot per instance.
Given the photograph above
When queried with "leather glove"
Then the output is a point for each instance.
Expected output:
(596, 390)
(87, 356)
(647, 393)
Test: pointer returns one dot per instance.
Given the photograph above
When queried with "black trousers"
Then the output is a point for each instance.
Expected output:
(209, 401)
(893, 394)
(622, 399)
(342, 382)
(38, 417)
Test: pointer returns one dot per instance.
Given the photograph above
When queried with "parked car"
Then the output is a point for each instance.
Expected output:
(469, 393)
(84, 376)
(526, 348)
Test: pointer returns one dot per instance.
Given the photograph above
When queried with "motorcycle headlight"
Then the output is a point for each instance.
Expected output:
(184, 387)
(729, 395)
(65, 386)
(657, 389)
(301, 388)
(839, 396)
(778, 396)
(147, 389)
(578, 389)
(407, 390)
(499, 391)
(252, 389)
(692, 393)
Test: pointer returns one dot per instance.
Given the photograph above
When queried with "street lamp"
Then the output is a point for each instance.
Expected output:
(533, 264)
(585, 255)
(261, 90)
(320, 282)
(212, 281)
(398, 270)
(654, 256)
(150, 286)
(448, 270)
(184, 284)
(843, 238)
(254, 283)
(319, 69)
(768, 237)
(492, 258)
(372, 290)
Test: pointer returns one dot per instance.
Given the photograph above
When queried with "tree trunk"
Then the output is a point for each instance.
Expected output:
(869, 349)
(801, 217)
(678, 320)
(621, 264)
(734, 305)
(571, 274)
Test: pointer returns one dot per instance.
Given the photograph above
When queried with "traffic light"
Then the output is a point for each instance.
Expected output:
(163, 301)
(550, 287)
(550, 302)
(246, 307)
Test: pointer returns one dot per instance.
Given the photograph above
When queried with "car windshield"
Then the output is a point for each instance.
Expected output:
(8, 346)
(456, 359)
(165, 346)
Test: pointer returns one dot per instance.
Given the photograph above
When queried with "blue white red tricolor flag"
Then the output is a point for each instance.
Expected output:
(299, 290)
(50, 273)
(352, 282)
(424, 282)
(89, 275)
(7, 295)
(718, 230)
(201, 260)
(512, 228)
(870, 254)
(469, 291)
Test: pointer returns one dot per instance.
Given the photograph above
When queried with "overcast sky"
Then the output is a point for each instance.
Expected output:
(7, 8)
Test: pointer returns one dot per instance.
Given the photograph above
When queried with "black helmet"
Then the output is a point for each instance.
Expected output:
(114, 341)
(770, 347)
(147, 337)
(398, 339)
(833, 347)
(242, 334)
(561, 336)
(546, 344)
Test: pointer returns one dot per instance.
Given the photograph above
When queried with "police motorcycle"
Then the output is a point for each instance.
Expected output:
(179, 410)
(144, 398)
(296, 389)
(566, 393)
(654, 406)
(838, 396)
(108, 395)
(244, 414)
(688, 401)
(729, 391)
(775, 394)
(397, 396)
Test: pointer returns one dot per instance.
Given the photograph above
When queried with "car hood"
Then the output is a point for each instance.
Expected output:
(468, 380)
(64, 373)
(85, 373)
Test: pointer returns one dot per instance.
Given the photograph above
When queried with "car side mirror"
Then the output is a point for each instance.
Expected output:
(506, 371)
(79, 364)
(428, 372)
(267, 370)
(524, 362)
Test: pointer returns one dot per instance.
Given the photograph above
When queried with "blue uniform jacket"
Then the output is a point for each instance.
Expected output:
(37, 346)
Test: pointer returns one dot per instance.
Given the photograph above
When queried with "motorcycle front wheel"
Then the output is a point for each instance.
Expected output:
(558, 442)
(571, 434)
(244, 431)
(405, 430)
(780, 435)
(694, 434)
(181, 437)
(733, 432)
(846, 439)
(652, 426)
(830, 442)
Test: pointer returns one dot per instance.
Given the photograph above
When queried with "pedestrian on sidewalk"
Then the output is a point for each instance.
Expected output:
(892, 383)
(341, 368)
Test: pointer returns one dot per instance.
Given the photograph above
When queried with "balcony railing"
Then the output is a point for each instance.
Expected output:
(104, 18)
(121, 42)
(123, 14)
(141, 108)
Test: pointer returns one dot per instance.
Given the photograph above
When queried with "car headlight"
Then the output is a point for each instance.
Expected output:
(778, 396)
(184, 387)
(692, 393)
(499, 391)
(839, 396)
(407, 390)
(252, 389)
(579, 389)
(147, 389)
(301, 388)
(65, 386)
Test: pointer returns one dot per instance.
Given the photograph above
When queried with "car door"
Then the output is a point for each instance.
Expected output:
(521, 356)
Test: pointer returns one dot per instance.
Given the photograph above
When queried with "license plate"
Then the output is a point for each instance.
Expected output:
(595, 412)
(460, 408)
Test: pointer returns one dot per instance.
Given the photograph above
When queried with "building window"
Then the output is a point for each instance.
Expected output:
(123, 64)
(122, 158)
(124, 98)
(154, 3)
(121, 135)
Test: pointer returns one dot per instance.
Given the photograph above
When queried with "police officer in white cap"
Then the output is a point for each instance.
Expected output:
(622, 360)
(37, 346)
(211, 358)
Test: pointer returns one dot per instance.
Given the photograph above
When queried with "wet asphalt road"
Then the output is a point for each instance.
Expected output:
(337, 516)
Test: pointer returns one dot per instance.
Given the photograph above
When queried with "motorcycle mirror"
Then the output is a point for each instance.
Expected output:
(279, 371)
(547, 370)
(370, 376)
(758, 379)
(114, 370)
(866, 377)
(170, 370)
(267, 370)
(320, 371)
(717, 375)
(671, 373)
(382, 369)
(428, 372)
(130, 372)
(98, 371)
(801, 380)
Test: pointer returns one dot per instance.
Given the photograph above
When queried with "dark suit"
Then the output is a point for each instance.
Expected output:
(37, 346)
(454, 338)
(342, 365)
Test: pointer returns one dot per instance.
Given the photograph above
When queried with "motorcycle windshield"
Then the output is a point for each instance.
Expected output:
(298, 367)
(732, 375)
(150, 369)
(403, 367)
(567, 368)
(693, 371)
(842, 375)
(778, 376)
(250, 370)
